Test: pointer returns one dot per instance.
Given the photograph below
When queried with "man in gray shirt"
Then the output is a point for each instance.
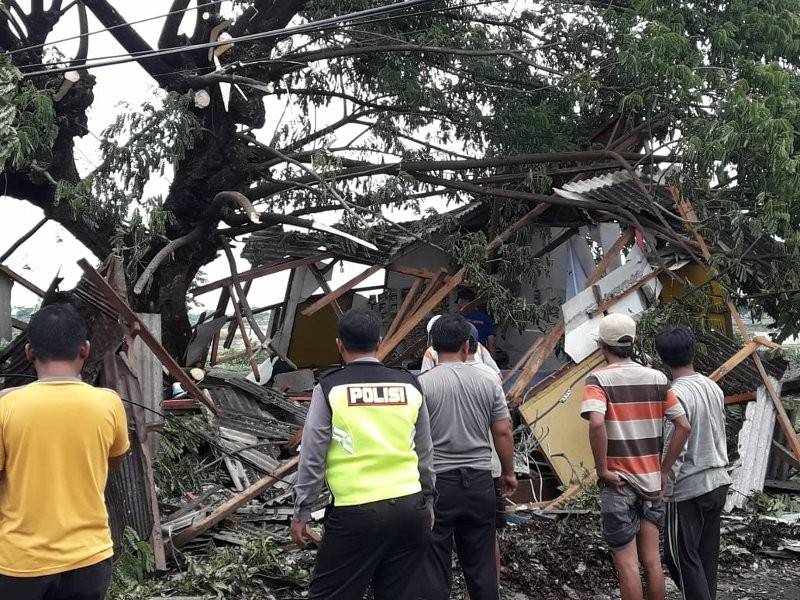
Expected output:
(698, 483)
(467, 410)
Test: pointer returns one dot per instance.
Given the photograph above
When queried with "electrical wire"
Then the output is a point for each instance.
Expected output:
(334, 27)
(272, 33)
(103, 30)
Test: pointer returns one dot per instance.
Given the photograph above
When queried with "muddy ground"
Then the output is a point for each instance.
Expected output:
(568, 559)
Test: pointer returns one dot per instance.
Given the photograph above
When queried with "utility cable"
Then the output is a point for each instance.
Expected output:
(272, 33)
(141, 53)
(103, 30)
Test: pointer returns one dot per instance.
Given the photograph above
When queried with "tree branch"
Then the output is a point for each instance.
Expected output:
(326, 54)
(83, 45)
(169, 32)
(127, 37)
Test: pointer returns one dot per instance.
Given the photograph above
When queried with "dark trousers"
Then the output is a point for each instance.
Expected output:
(87, 583)
(691, 543)
(380, 543)
(465, 514)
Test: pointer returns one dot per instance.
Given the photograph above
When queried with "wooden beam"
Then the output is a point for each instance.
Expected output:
(337, 308)
(600, 270)
(245, 338)
(572, 491)
(531, 216)
(227, 508)
(555, 242)
(127, 315)
(687, 212)
(389, 344)
(404, 307)
(734, 361)
(22, 240)
(739, 398)
(413, 272)
(785, 454)
(543, 350)
(433, 285)
(606, 304)
(22, 281)
(547, 345)
(262, 271)
(340, 291)
(783, 419)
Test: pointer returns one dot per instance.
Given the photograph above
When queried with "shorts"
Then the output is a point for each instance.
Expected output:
(500, 506)
(621, 514)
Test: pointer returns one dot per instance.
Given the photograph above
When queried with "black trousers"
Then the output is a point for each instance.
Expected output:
(380, 543)
(691, 543)
(87, 583)
(465, 514)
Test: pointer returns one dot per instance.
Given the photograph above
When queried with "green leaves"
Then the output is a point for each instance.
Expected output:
(27, 120)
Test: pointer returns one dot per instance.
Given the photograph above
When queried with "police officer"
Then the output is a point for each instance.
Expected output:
(367, 434)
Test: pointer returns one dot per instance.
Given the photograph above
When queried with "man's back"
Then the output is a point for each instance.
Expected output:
(55, 441)
(635, 400)
(463, 402)
(703, 465)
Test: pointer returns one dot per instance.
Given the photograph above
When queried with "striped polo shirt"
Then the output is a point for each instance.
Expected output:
(635, 401)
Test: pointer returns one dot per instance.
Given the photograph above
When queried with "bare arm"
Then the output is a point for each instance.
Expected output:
(598, 439)
(491, 344)
(503, 437)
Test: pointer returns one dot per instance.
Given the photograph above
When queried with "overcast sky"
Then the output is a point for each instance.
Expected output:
(53, 249)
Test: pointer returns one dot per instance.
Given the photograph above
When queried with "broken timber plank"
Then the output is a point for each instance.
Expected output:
(268, 269)
(389, 344)
(22, 281)
(572, 491)
(605, 305)
(412, 271)
(340, 291)
(431, 288)
(548, 344)
(245, 338)
(274, 398)
(130, 317)
(404, 307)
(734, 361)
(687, 212)
(320, 277)
(785, 454)
(227, 508)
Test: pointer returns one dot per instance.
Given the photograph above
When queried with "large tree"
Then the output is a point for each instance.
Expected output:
(385, 111)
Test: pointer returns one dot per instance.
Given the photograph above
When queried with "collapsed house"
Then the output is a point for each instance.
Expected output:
(253, 419)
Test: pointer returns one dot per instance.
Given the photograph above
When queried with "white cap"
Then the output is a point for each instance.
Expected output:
(617, 330)
(431, 322)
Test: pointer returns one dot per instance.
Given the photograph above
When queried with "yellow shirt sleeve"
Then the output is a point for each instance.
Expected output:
(121, 444)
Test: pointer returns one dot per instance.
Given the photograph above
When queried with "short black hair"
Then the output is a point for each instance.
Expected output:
(359, 330)
(449, 333)
(619, 351)
(473, 345)
(676, 346)
(57, 332)
(465, 294)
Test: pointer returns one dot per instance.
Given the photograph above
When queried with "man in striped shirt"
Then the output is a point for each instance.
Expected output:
(626, 404)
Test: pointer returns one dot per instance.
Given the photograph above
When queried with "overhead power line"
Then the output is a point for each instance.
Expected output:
(104, 29)
(273, 33)
(263, 60)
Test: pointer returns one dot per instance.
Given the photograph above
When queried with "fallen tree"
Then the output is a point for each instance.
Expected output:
(359, 112)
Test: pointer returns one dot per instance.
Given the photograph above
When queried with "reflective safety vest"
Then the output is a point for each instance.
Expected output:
(374, 412)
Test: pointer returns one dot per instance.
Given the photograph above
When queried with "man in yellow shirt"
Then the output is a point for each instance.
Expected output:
(57, 437)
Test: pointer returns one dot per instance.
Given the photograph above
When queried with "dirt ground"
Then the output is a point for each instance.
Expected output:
(567, 559)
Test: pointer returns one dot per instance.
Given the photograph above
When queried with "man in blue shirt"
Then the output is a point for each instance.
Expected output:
(482, 321)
